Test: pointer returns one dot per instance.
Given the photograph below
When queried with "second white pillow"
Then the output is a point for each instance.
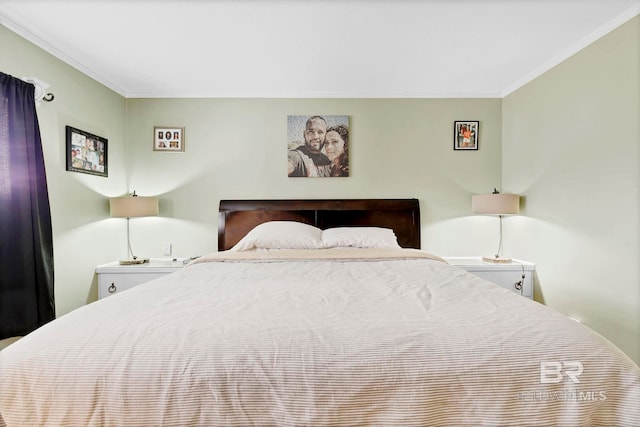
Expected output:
(359, 237)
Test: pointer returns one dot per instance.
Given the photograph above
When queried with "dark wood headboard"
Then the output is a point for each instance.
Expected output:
(238, 217)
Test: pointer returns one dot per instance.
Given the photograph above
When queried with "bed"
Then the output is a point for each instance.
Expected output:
(317, 313)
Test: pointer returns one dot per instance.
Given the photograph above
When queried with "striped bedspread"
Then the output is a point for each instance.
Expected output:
(332, 339)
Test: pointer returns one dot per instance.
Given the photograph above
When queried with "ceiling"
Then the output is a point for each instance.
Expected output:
(313, 48)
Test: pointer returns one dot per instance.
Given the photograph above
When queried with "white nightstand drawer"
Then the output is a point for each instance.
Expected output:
(506, 275)
(112, 283)
(114, 278)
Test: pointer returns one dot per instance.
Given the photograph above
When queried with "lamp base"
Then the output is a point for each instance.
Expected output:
(133, 261)
(496, 260)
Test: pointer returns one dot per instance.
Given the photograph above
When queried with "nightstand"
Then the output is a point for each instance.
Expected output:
(507, 275)
(114, 278)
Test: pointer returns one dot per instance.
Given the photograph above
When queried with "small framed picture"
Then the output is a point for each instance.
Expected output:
(86, 153)
(465, 135)
(168, 139)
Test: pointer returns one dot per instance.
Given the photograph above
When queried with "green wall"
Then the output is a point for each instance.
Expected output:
(571, 146)
(237, 148)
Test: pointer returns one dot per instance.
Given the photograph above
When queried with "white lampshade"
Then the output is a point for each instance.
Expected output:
(495, 204)
(133, 206)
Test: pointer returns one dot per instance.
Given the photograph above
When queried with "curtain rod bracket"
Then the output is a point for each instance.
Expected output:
(40, 93)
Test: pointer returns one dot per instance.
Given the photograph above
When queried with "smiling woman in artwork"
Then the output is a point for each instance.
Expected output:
(337, 150)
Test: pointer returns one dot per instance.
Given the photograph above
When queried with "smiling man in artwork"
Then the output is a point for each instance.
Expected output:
(308, 159)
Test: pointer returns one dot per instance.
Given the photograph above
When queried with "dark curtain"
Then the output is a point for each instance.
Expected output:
(26, 243)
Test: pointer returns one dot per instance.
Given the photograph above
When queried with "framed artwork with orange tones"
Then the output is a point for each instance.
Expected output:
(465, 135)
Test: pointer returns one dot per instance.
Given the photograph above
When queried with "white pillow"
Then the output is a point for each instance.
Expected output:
(281, 235)
(360, 237)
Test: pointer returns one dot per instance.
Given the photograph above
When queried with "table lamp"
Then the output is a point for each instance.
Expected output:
(132, 207)
(496, 204)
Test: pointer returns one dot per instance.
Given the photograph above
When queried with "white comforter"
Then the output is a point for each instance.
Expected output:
(340, 340)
